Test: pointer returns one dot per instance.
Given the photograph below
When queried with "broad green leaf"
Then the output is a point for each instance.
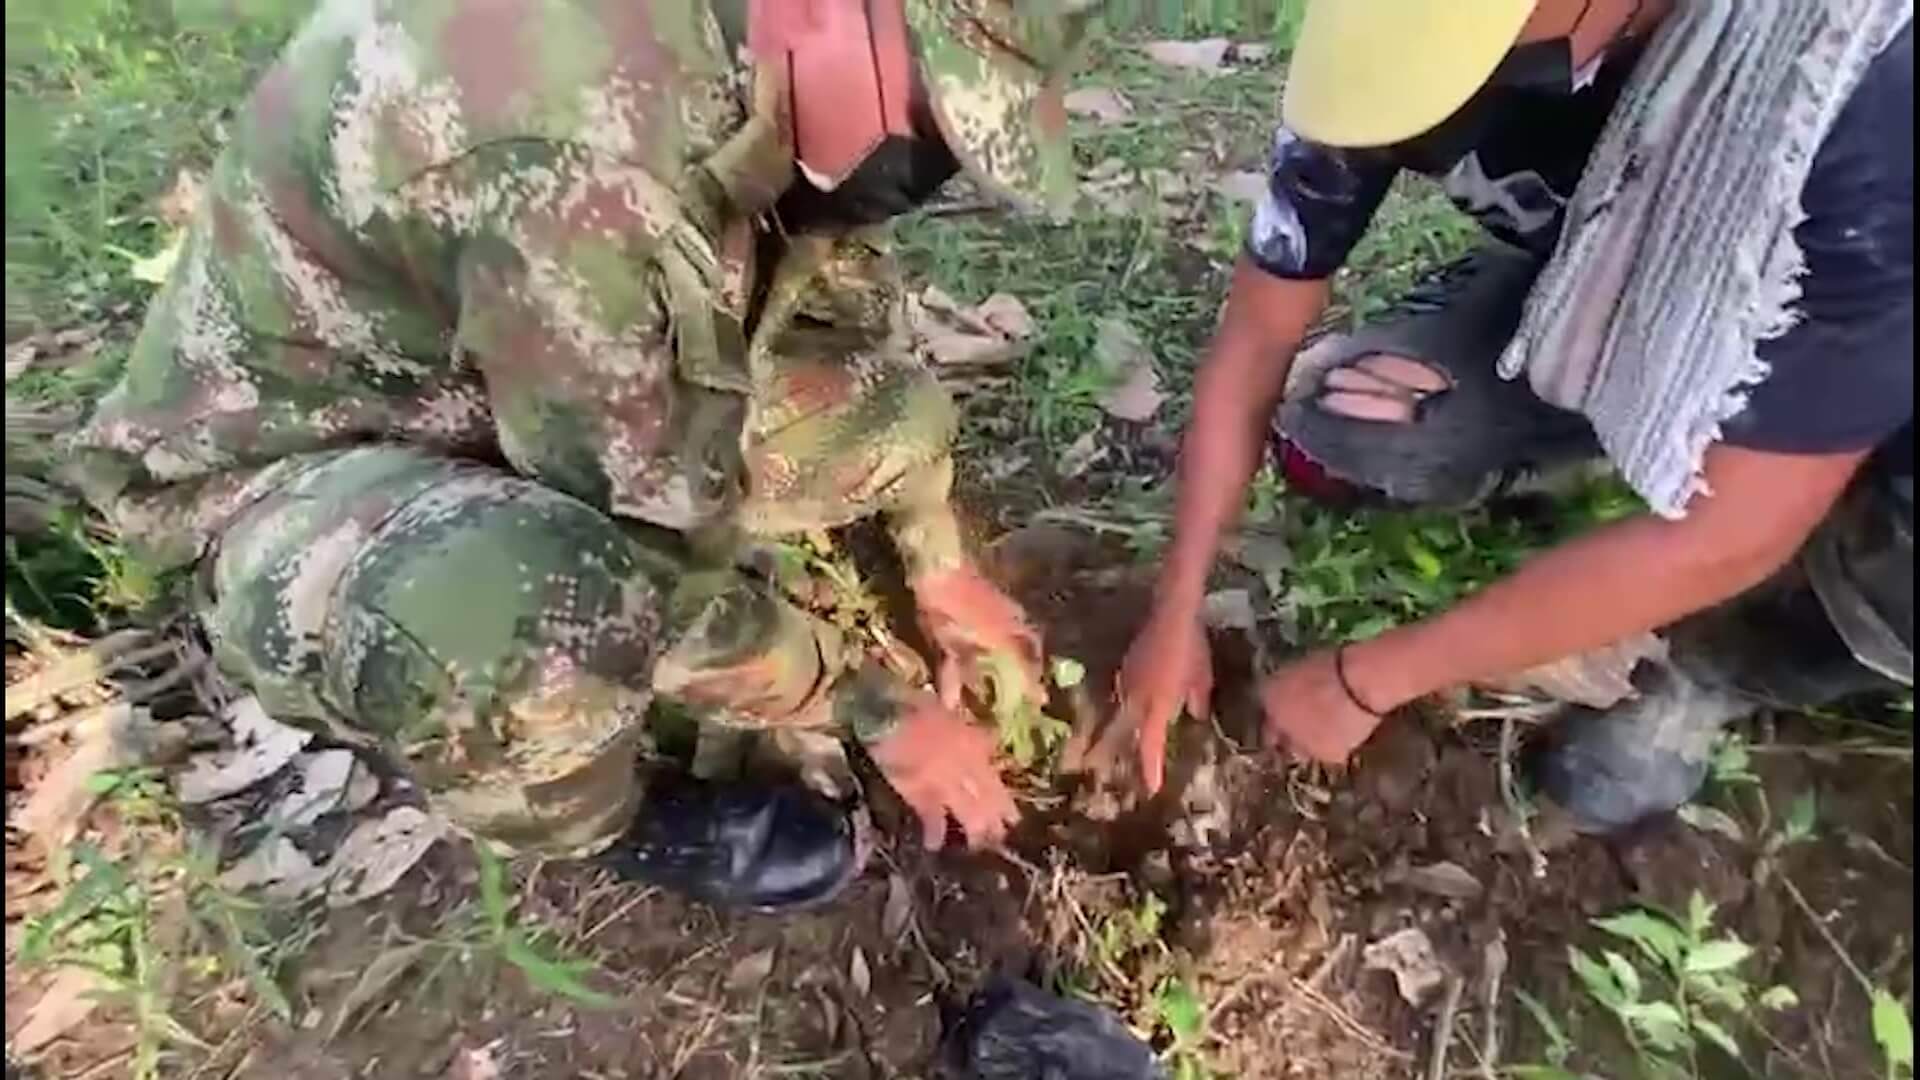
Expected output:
(1068, 672)
(1623, 974)
(1597, 979)
(1181, 1010)
(1800, 818)
(554, 976)
(1699, 915)
(1717, 1035)
(1779, 997)
(1717, 956)
(1653, 934)
(1424, 561)
(1660, 1024)
(1892, 1030)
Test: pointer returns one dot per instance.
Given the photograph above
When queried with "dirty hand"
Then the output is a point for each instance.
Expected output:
(1168, 668)
(1309, 713)
(941, 764)
(985, 640)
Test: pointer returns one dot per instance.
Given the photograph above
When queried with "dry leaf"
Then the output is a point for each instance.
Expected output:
(380, 974)
(475, 1064)
(1103, 104)
(321, 787)
(1081, 454)
(112, 737)
(898, 912)
(262, 747)
(1005, 313)
(1242, 185)
(1409, 957)
(1135, 394)
(751, 971)
(376, 853)
(277, 868)
(859, 974)
(362, 789)
(950, 335)
(1207, 56)
(1598, 679)
(69, 999)
(1444, 879)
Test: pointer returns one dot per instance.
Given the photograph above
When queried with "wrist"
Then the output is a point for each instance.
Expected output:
(1377, 673)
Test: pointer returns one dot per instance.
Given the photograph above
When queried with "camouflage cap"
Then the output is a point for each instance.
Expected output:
(996, 71)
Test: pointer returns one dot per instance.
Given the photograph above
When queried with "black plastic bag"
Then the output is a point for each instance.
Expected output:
(1014, 1031)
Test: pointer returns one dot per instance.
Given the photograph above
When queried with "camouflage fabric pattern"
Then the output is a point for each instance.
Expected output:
(538, 233)
(502, 639)
(996, 70)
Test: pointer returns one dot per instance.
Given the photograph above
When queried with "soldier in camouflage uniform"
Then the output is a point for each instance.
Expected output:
(504, 321)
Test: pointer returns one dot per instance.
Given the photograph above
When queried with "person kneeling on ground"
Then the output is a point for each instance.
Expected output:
(1701, 261)
(506, 328)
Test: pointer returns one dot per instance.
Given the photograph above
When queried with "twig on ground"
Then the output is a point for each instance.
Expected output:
(1313, 981)
(1493, 969)
(118, 650)
(1800, 901)
(1901, 753)
(1443, 1030)
(1511, 796)
(633, 901)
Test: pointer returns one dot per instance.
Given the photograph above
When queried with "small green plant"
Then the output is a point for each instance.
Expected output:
(144, 917)
(1179, 1011)
(489, 932)
(1675, 993)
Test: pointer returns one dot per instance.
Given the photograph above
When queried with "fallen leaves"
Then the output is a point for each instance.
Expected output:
(1408, 955)
(1207, 56)
(262, 746)
(1134, 381)
(377, 852)
(117, 736)
(957, 339)
(69, 999)
(1443, 879)
(1101, 104)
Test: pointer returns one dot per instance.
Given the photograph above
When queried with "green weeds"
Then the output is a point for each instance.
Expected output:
(151, 918)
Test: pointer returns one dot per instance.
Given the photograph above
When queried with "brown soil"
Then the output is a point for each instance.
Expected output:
(1267, 920)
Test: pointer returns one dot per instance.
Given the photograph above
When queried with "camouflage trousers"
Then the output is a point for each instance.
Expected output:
(505, 641)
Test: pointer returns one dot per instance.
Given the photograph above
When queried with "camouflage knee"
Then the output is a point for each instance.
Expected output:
(496, 636)
(836, 440)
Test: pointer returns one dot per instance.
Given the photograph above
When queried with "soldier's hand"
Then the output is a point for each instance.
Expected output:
(942, 765)
(985, 640)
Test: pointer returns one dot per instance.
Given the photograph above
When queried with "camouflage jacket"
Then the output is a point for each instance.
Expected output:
(530, 230)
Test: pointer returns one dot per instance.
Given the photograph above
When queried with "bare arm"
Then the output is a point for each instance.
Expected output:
(1239, 386)
(1240, 383)
(1636, 575)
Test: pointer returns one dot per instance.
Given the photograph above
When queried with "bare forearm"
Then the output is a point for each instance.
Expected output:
(1630, 577)
(1235, 394)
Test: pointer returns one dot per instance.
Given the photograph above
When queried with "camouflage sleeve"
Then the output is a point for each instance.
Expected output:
(751, 659)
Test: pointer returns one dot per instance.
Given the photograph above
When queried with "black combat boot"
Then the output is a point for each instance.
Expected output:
(763, 845)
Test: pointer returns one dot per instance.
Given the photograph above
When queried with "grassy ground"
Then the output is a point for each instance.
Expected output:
(109, 101)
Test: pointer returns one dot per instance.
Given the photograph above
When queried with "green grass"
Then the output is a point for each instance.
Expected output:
(106, 101)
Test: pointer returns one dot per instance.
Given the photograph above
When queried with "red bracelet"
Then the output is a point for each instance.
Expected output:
(1340, 673)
